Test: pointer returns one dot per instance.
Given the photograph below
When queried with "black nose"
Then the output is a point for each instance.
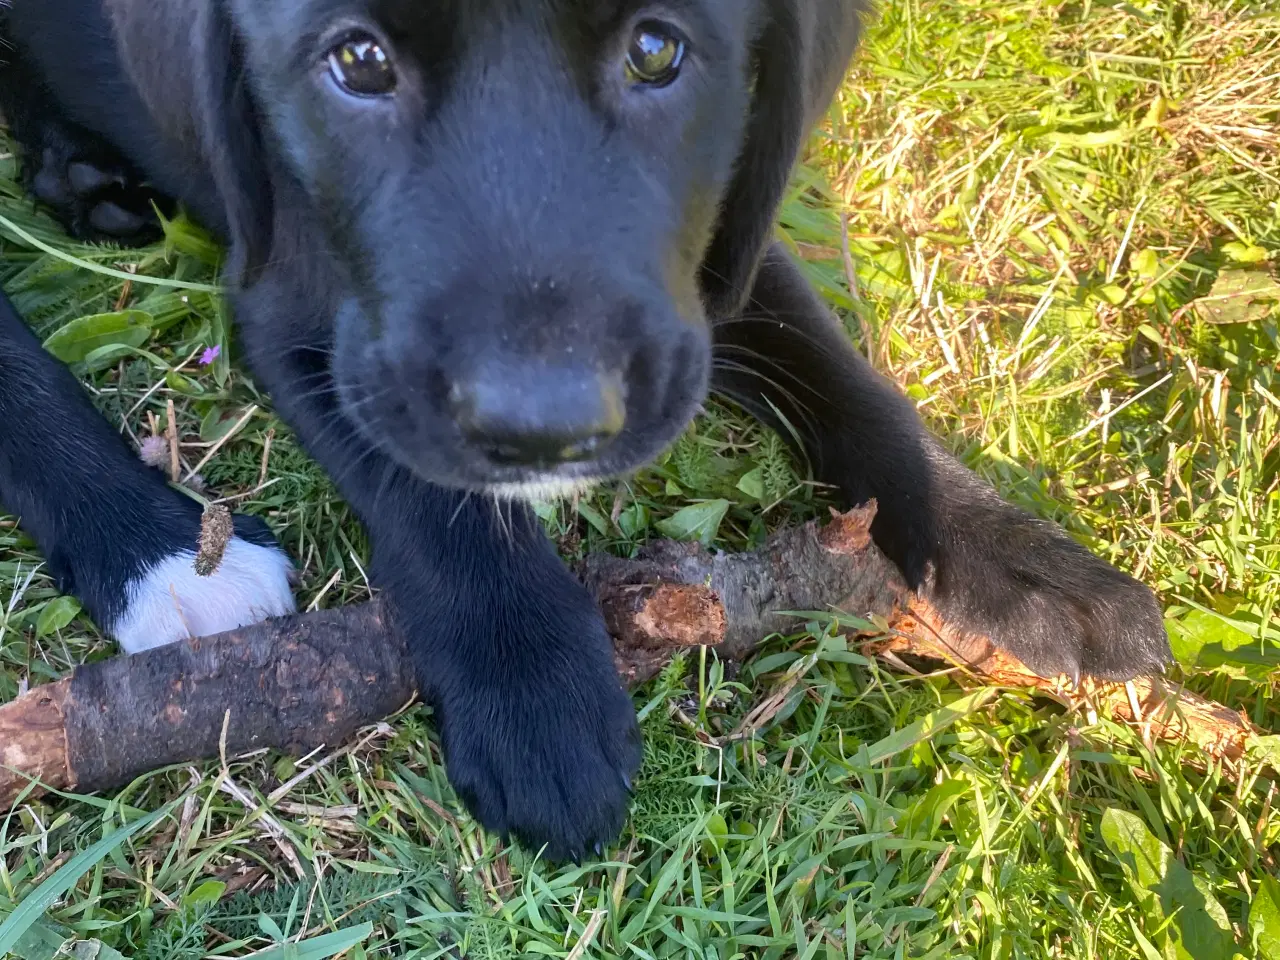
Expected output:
(539, 418)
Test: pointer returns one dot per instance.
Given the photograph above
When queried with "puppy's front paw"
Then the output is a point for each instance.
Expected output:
(1046, 599)
(94, 194)
(170, 601)
(540, 739)
(550, 765)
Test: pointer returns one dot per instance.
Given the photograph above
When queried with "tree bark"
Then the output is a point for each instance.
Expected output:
(298, 683)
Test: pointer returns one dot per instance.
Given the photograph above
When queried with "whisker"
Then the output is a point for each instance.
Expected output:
(466, 498)
(723, 363)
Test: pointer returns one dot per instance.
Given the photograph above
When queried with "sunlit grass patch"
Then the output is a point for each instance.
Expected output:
(1045, 210)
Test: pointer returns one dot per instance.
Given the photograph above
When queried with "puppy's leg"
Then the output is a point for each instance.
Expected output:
(540, 738)
(988, 566)
(84, 182)
(111, 529)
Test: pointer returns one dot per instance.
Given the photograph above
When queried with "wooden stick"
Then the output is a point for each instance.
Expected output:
(301, 682)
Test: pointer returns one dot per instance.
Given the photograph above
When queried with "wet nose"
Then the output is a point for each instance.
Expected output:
(539, 419)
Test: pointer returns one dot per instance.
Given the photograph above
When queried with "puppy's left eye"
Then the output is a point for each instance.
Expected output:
(361, 67)
(655, 55)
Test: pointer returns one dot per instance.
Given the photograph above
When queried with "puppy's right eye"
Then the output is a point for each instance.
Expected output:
(361, 67)
(655, 55)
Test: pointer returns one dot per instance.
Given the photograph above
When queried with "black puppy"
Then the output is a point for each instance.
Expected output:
(479, 248)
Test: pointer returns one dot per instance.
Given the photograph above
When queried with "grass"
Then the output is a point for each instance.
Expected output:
(1050, 210)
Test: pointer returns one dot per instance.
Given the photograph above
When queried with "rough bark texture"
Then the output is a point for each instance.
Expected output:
(298, 683)
(293, 684)
(680, 595)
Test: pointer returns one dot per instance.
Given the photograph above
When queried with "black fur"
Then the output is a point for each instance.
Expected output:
(518, 239)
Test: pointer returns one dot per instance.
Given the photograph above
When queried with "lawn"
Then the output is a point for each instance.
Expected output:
(1051, 210)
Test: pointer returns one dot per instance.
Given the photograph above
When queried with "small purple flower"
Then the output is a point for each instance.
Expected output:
(210, 354)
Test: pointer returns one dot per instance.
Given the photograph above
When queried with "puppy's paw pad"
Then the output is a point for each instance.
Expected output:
(95, 199)
(171, 602)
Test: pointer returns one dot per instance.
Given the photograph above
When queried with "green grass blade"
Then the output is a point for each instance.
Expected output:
(34, 906)
(929, 725)
(62, 255)
(318, 948)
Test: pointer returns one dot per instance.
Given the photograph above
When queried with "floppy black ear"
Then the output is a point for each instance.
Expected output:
(231, 140)
(802, 51)
(185, 58)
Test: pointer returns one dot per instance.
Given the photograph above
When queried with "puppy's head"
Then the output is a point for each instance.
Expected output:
(529, 207)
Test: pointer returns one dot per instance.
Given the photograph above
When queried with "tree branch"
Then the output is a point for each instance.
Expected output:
(301, 682)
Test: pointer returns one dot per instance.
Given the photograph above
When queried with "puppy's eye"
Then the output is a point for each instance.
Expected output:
(361, 67)
(655, 55)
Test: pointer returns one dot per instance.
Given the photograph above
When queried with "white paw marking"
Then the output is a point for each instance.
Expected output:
(171, 602)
